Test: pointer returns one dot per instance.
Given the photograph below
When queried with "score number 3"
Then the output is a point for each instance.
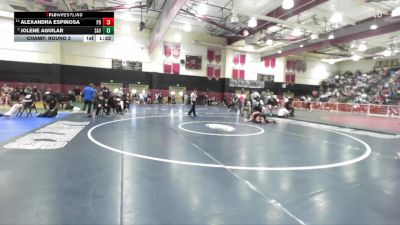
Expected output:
(108, 22)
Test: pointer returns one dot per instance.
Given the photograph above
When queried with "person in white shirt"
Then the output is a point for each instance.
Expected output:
(141, 98)
(193, 98)
(283, 113)
(28, 100)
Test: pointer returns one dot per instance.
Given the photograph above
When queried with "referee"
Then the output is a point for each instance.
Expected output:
(193, 98)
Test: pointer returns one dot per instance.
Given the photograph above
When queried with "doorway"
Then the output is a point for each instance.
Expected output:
(112, 86)
(178, 92)
(137, 88)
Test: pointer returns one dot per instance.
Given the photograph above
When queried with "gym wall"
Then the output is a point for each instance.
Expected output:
(130, 44)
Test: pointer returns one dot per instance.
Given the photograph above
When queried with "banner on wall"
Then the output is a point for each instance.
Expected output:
(239, 61)
(246, 83)
(214, 57)
(290, 78)
(172, 52)
(210, 71)
(126, 65)
(269, 62)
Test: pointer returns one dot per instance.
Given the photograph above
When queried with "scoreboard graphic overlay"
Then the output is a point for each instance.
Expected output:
(64, 26)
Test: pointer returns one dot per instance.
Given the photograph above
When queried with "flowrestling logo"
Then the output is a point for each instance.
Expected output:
(53, 136)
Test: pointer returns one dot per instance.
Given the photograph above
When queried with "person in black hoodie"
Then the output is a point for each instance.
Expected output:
(99, 103)
(53, 103)
(105, 91)
(110, 103)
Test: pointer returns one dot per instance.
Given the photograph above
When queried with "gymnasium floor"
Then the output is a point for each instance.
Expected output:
(156, 165)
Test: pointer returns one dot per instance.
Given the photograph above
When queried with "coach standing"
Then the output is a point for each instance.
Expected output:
(88, 95)
(193, 98)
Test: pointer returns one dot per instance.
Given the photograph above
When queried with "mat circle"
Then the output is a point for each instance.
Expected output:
(231, 167)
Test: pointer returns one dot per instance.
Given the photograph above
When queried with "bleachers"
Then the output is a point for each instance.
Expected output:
(381, 87)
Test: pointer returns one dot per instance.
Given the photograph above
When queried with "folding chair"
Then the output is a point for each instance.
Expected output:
(28, 109)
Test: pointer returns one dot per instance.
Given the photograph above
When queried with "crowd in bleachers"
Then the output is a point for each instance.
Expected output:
(375, 87)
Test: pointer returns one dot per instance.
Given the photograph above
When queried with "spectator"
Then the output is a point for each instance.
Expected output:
(77, 92)
(28, 100)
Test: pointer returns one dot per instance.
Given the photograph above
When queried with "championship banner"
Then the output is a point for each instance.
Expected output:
(269, 62)
(210, 55)
(247, 83)
(214, 57)
(239, 61)
(210, 71)
(172, 52)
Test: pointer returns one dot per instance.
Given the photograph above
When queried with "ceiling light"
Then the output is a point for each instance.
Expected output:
(314, 36)
(362, 47)
(246, 33)
(396, 12)
(202, 9)
(297, 32)
(273, 28)
(187, 27)
(331, 36)
(333, 61)
(178, 37)
(287, 4)
(269, 42)
(396, 51)
(252, 22)
(330, 61)
(337, 17)
(387, 53)
(301, 46)
(373, 27)
(279, 51)
(356, 57)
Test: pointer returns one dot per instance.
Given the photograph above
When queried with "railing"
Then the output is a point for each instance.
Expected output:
(368, 109)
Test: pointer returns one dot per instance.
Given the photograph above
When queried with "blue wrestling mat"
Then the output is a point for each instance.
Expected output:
(12, 127)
